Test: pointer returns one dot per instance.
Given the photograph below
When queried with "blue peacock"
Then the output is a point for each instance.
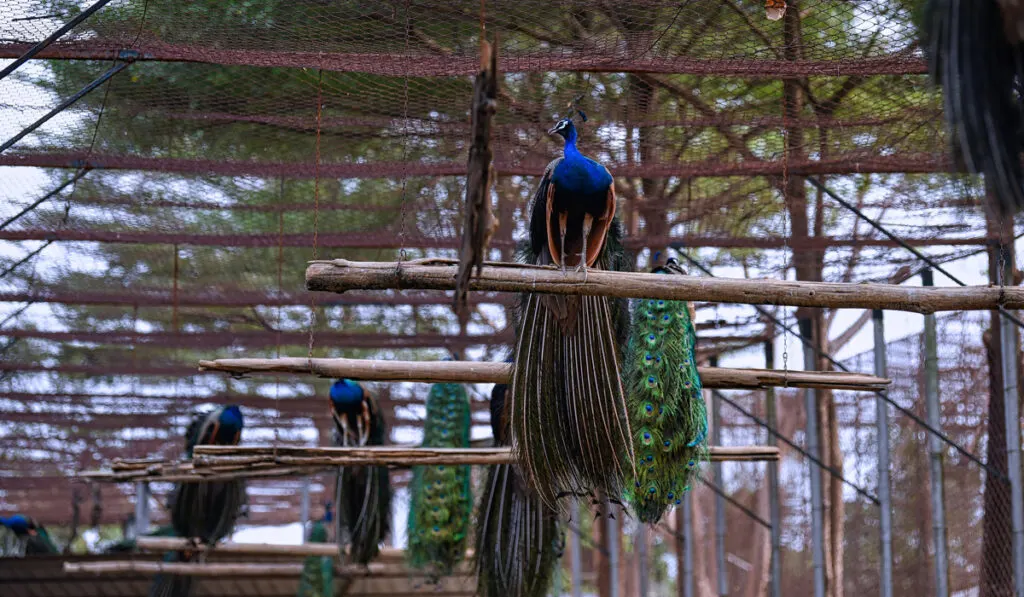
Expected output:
(31, 534)
(568, 408)
(442, 500)
(518, 536)
(362, 493)
(666, 406)
(206, 511)
(317, 578)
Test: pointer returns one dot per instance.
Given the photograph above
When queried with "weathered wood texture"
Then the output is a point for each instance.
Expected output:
(489, 372)
(372, 569)
(438, 274)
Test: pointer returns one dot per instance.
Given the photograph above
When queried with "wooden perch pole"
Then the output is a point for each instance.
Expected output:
(165, 544)
(372, 569)
(215, 463)
(439, 274)
(479, 223)
(489, 372)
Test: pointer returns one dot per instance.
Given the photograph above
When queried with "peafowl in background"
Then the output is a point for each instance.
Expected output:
(442, 500)
(518, 538)
(975, 52)
(568, 407)
(205, 511)
(362, 493)
(30, 533)
(317, 578)
(666, 405)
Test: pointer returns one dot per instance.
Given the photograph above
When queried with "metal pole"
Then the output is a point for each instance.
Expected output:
(933, 414)
(716, 439)
(64, 105)
(882, 430)
(774, 510)
(304, 508)
(687, 572)
(641, 558)
(612, 527)
(141, 508)
(576, 559)
(39, 47)
(817, 500)
(1010, 357)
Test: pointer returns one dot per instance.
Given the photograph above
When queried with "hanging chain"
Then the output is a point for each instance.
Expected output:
(786, 230)
(316, 202)
(405, 149)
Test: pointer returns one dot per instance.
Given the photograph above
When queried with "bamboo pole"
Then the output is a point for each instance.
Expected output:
(341, 275)
(164, 544)
(373, 569)
(218, 463)
(489, 372)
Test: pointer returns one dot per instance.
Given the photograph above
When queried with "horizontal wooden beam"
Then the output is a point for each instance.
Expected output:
(489, 372)
(164, 544)
(439, 274)
(261, 569)
(217, 463)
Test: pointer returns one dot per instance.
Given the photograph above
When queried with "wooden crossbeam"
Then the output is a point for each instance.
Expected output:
(341, 275)
(262, 569)
(216, 463)
(489, 372)
(165, 544)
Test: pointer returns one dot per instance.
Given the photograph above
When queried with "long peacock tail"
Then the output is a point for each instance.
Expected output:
(518, 538)
(317, 578)
(174, 585)
(666, 407)
(362, 493)
(568, 406)
(442, 500)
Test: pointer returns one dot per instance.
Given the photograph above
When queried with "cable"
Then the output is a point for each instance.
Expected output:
(39, 47)
(880, 393)
(38, 202)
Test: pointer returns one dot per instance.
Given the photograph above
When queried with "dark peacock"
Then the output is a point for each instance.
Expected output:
(32, 534)
(666, 407)
(362, 493)
(205, 512)
(568, 407)
(518, 538)
(975, 51)
(442, 500)
(317, 578)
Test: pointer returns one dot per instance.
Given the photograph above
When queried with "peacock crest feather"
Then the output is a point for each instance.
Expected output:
(442, 499)
(518, 537)
(666, 406)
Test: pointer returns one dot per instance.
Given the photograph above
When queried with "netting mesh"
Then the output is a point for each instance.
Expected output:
(243, 133)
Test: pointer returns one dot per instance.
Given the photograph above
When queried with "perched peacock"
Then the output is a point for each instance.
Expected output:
(975, 51)
(207, 511)
(32, 534)
(568, 407)
(518, 538)
(362, 493)
(317, 578)
(666, 407)
(442, 500)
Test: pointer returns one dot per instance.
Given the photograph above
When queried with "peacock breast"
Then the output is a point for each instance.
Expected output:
(582, 175)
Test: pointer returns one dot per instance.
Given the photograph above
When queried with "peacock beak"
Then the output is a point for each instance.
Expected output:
(553, 130)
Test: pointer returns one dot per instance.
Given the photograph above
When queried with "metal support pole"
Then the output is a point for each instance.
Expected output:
(774, 509)
(716, 439)
(39, 47)
(1010, 357)
(882, 430)
(687, 571)
(813, 448)
(304, 508)
(141, 508)
(641, 558)
(612, 527)
(934, 416)
(576, 558)
(67, 103)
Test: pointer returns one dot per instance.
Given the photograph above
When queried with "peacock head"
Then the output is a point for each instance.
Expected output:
(351, 412)
(230, 422)
(20, 524)
(564, 128)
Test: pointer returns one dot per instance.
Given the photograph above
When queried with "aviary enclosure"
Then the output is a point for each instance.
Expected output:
(170, 169)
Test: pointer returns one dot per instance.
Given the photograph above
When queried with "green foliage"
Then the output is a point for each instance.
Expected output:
(442, 500)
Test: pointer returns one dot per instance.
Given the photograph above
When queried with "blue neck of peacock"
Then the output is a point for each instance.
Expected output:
(571, 151)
